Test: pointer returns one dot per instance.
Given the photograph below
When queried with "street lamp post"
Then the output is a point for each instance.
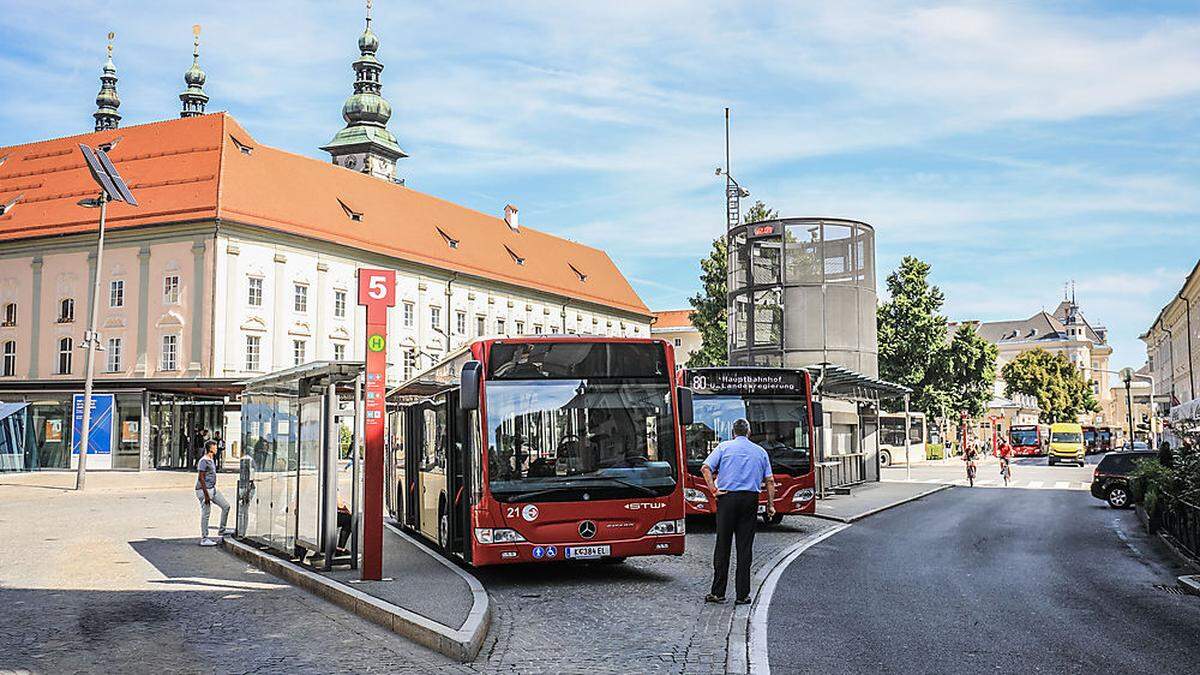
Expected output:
(91, 341)
(112, 187)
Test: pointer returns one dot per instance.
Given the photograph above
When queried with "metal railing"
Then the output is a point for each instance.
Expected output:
(1182, 521)
(842, 471)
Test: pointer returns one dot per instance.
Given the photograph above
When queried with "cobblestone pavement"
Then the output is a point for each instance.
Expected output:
(645, 615)
(112, 580)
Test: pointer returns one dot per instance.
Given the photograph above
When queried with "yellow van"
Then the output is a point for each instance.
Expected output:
(1066, 443)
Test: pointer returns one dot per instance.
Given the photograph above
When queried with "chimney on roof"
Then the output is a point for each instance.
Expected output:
(510, 217)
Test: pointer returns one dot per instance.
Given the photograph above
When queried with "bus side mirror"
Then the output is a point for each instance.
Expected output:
(686, 413)
(818, 413)
(468, 395)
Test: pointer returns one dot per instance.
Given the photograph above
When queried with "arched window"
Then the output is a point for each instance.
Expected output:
(66, 310)
(64, 355)
(9, 367)
(10, 314)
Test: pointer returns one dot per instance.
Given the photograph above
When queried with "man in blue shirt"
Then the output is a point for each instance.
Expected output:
(741, 467)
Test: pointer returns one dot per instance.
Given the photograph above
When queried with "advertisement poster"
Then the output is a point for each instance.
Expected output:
(101, 435)
(129, 431)
(54, 431)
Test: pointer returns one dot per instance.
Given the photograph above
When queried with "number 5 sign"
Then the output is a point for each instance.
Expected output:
(376, 292)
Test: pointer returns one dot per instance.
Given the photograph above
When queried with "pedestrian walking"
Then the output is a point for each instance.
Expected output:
(741, 467)
(207, 493)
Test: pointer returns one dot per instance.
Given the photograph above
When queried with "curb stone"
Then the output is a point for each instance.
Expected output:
(885, 507)
(1190, 583)
(462, 644)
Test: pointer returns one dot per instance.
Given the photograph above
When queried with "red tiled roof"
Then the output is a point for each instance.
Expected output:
(197, 169)
(673, 318)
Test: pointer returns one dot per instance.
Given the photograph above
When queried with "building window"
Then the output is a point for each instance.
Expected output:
(339, 351)
(253, 352)
(169, 358)
(460, 323)
(113, 360)
(500, 326)
(64, 356)
(435, 317)
(520, 328)
(678, 342)
(66, 310)
(537, 329)
(171, 289)
(10, 358)
(10, 314)
(116, 293)
(339, 304)
(300, 302)
(480, 325)
(298, 349)
(254, 291)
(410, 362)
(409, 312)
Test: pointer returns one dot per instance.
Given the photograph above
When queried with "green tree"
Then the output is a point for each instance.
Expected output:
(710, 313)
(913, 350)
(1061, 391)
(972, 371)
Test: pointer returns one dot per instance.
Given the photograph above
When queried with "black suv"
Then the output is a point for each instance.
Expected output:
(1111, 483)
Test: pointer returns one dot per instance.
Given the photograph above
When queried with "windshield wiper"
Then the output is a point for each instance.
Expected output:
(568, 485)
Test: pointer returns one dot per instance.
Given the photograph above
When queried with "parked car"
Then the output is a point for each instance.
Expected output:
(1110, 481)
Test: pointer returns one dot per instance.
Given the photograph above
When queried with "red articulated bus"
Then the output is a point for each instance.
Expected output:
(537, 449)
(778, 404)
(1029, 440)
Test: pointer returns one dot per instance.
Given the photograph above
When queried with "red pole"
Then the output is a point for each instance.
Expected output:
(376, 291)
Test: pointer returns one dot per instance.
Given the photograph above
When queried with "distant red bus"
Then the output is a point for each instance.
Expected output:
(1029, 440)
(778, 404)
(537, 449)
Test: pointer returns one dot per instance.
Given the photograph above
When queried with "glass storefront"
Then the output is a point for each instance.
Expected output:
(36, 429)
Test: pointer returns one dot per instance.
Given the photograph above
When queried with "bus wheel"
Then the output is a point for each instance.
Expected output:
(885, 458)
(443, 529)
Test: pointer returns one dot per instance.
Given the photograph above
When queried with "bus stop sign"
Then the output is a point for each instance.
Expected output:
(376, 292)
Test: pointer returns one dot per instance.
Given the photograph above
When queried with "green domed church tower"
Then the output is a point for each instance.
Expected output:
(365, 144)
(193, 98)
(107, 101)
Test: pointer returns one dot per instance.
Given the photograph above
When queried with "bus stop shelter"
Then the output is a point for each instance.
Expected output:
(295, 424)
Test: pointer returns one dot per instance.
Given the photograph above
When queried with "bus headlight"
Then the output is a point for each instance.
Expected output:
(695, 496)
(499, 535)
(802, 496)
(668, 527)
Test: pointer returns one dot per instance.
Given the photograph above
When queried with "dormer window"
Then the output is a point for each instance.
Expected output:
(516, 258)
(581, 275)
(8, 206)
(356, 216)
(245, 149)
(450, 241)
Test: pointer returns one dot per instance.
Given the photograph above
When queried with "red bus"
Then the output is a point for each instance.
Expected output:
(541, 449)
(778, 404)
(1029, 440)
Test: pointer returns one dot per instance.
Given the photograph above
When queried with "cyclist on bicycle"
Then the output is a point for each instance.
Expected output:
(969, 455)
(1005, 452)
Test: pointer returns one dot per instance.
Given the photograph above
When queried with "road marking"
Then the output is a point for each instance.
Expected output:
(1035, 484)
(757, 658)
(985, 482)
(1061, 485)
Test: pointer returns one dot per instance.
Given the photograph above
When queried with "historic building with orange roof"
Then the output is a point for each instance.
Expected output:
(240, 259)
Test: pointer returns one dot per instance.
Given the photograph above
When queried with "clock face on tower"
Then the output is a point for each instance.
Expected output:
(350, 162)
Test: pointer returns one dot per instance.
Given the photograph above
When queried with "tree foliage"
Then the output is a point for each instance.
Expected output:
(912, 336)
(710, 313)
(947, 375)
(1061, 391)
(972, 371)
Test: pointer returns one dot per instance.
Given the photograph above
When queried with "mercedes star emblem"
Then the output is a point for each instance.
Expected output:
(587, 529)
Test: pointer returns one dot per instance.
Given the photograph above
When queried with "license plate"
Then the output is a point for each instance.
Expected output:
(582, 552)
(762, 508)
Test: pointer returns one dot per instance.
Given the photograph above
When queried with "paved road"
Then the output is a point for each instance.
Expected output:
(645, 615)
(986, 580)
(1027, 472)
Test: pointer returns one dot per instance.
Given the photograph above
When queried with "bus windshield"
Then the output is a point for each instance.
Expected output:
(778, 423)
(578, 439)
(1024, 437)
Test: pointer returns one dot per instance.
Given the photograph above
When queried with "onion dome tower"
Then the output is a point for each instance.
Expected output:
(194, 99)
(365, 144)
(107, 100)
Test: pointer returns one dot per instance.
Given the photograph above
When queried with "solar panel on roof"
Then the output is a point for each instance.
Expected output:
(98, 173)
(126, 195)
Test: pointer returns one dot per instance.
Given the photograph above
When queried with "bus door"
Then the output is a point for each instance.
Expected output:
(414, 444)
(458, 491)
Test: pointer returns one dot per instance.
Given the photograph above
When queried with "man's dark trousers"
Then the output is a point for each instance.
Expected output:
(736, 515)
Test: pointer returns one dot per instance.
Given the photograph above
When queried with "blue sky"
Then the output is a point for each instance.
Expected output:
(1014, 146)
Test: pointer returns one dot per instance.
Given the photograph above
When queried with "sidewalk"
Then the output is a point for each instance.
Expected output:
(871, 498)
